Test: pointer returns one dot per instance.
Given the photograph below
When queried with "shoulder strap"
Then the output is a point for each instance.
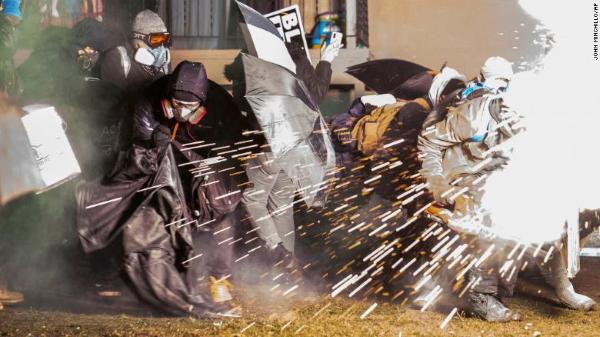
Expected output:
(125, 61)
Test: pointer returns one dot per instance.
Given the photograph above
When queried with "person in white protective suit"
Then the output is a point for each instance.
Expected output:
(457, 153)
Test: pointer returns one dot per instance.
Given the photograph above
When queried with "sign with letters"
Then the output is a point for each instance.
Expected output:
(288, 22)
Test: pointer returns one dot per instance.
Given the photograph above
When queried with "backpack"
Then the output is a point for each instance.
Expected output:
(368, 131)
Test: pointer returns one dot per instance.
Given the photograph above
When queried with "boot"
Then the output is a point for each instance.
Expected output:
(490, 308)
(280, 255)
(287, 263)
(555, 274)
(483, 296)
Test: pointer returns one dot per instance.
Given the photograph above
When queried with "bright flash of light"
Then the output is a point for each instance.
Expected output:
(554, 169)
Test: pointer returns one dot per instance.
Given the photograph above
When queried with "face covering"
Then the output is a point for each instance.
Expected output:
(496, 84)
(161, 56)
(87, 61)
(191, 112)
(182, 114)
(156, 57)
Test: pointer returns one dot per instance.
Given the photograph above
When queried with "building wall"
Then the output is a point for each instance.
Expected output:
(462, 32)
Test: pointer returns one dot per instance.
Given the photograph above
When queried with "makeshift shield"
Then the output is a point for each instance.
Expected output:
(19, 173)
(262, 38)
(292, 124)
(51, 149)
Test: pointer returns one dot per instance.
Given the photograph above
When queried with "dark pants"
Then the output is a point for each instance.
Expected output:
(491, 280)
(216, 248)
(495, 282)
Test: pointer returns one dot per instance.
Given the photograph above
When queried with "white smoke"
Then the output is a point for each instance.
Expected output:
(555, 170)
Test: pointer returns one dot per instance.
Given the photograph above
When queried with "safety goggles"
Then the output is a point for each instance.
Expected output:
(192, 106)
(154, 39)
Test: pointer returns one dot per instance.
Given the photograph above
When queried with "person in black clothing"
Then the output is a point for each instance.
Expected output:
(184, 195)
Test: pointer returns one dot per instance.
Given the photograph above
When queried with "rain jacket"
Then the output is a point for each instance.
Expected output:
(465, 141)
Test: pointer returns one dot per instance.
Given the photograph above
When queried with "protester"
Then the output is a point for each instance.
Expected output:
(161, 229)
(456, 150)
(8, 83)
(144, 59)
(269, 197)
(379, 130)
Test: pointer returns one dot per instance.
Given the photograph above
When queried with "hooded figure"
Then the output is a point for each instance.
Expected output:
(164, 201)
(146, 58)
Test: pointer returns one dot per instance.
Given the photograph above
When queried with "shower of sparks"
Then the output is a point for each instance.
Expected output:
(247, 327)
(448, 318)
(368, 311)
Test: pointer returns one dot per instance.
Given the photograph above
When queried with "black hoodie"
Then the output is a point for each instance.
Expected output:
(221, 124)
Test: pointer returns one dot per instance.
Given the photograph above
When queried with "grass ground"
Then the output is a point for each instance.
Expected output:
(323, 317)
(306, 315)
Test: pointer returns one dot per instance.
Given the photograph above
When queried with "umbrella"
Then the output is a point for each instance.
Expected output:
(262, 38)
(19, 173)
(404, 79)
(291, 122)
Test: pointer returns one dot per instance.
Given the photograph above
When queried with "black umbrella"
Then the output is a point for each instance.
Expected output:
(19, 173)
(262, 38)
(291, 122)
(403, 79)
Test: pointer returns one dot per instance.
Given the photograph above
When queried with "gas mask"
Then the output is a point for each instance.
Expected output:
(87, 59)
(157, 57)
(182, 111)
(152, 49)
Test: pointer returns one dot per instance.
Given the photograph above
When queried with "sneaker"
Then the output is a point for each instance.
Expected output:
(286, 263)
(490, 308)
(281, 256)
(10, 297)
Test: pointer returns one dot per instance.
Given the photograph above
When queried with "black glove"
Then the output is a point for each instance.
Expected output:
(161, 136)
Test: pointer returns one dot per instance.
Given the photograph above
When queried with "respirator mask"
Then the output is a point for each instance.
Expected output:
(157, 53)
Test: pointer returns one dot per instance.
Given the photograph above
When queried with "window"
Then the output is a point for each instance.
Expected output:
(210, 24)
